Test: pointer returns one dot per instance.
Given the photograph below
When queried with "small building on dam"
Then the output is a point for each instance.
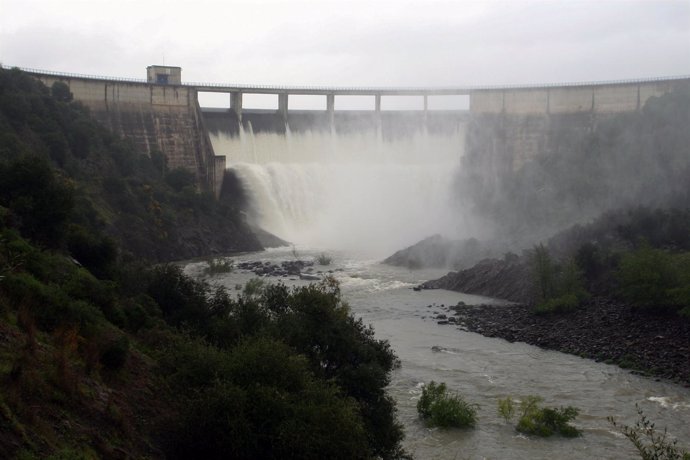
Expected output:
(162, 113)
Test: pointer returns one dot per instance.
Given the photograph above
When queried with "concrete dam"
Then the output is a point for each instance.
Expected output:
(163, 113)
(336, 178)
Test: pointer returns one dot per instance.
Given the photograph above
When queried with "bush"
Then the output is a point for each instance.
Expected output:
(540, 421)
(179, 178)
(219, 265)
(646, 276)
(324, 259)
(651, 277)
(439, 408)
(114, 354)
(649, 442)
(60, 91)
(558, 288)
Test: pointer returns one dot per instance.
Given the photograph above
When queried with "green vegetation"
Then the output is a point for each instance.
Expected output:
(540, 421)
(613, 257)
(324, 259)
(67, 179)
(558, 288)
(438, 408)
(143, 361)
(219, 265)
(649, 442)
(655, 278)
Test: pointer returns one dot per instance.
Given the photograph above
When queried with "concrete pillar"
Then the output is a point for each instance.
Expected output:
(330, 102)
(330, 108)
(377, 105)
(283, 105)
(236, 104)
(426, 103)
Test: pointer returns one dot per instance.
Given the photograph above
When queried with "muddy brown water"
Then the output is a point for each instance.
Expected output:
(484, 369)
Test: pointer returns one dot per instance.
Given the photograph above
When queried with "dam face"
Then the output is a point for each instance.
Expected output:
(353, 185)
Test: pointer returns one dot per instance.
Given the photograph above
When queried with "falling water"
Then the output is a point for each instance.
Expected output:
(352, 191)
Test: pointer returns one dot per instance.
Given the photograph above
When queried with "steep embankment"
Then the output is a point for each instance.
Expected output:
(616, 290)
(152, 211)
(502, 279)
(93, 363)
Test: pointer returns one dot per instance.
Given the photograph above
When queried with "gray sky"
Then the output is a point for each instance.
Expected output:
(352, 43)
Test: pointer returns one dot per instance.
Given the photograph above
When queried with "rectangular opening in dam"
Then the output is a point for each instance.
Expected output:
(306, 102)
(449, 102)
(402, 102)
(260, 101)
(355, 102)
(214, 100)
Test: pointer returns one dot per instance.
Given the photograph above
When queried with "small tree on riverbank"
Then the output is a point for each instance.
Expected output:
(557, 287)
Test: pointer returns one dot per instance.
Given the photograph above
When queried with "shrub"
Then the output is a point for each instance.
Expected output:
(439, 408)
(540, 421)
(649, 442)
(558, 288)
(324, 259)
(646, 276)
(219, 265)
(506, 408)
(179, 178)
(115, 352)
(60, 91)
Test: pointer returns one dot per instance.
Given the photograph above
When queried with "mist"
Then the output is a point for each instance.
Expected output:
(355, 191)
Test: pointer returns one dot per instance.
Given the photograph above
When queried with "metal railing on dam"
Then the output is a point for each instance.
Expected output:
(610, 96)
(362, 90)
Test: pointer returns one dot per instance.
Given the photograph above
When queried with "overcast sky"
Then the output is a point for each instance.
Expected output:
(352, 43)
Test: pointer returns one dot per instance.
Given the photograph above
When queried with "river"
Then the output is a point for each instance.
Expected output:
(483, 369)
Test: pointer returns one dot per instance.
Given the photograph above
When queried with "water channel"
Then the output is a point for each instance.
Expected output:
(483, 369)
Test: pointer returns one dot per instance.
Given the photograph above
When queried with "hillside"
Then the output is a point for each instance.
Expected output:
(103, 355)
(133, 198)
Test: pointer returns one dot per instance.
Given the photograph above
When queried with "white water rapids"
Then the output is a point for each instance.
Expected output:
(350, 192)
(360, 198)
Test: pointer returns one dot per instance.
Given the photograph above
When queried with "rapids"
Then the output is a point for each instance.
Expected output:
(359, 198)
(484, 369)
(351, 192)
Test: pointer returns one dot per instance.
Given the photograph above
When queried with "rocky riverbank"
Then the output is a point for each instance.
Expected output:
(655, 344)
(507, 278)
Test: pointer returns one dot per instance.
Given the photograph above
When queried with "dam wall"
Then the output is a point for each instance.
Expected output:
(510, 126)
(595, 98)
(164, 118)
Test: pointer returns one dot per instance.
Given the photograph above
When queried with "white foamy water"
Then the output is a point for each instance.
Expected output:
(351, 192)
(483, 369)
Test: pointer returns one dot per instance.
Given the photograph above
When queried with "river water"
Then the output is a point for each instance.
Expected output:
(483, 369)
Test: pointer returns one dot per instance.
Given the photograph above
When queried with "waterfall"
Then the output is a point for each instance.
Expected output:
(352, 191)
